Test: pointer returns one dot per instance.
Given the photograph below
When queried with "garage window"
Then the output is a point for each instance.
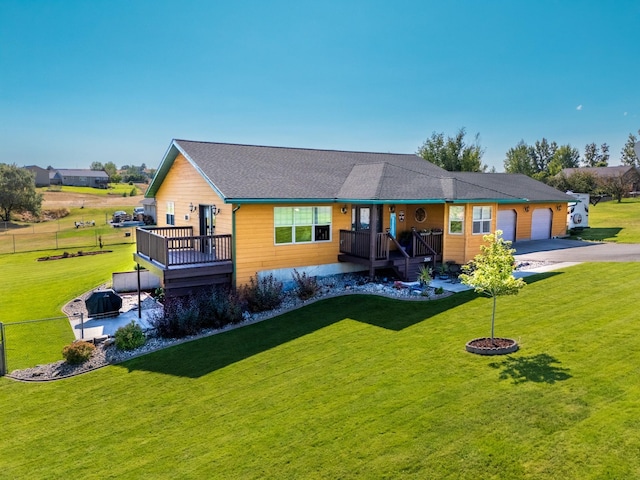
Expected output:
(481, 220)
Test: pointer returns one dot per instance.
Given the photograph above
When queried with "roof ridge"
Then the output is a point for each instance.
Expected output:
(293, 148)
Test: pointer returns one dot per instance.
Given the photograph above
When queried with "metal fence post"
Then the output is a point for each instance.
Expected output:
(3, 351)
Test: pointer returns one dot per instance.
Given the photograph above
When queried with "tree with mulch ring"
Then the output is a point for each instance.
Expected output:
(491, 274)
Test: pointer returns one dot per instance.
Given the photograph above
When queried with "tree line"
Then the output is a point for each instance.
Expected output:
(543, 160)
(126, 174)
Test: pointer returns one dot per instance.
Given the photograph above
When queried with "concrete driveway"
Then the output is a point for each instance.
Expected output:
(561, 250)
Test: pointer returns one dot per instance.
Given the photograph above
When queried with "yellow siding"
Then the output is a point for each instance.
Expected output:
(256, 249)
(183, 186)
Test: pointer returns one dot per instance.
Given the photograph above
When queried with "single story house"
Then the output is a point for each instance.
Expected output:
(41, 175)
(80, 178)
(628, 173)
(227, 212)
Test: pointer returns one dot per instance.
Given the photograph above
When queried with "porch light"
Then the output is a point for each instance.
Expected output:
(192, 207)
(392, 208)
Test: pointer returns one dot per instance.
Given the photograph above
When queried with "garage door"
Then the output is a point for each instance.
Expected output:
(541, 224)
(507, 223)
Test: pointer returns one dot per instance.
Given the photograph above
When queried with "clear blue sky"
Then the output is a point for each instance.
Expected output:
(116, 80)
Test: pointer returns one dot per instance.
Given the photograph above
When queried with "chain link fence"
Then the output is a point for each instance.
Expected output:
(82, 237)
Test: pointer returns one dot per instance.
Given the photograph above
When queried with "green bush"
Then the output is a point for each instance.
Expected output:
(133, 192)
(306, 286)
(78, 352)
(263, 294)
(180, 318)
(130, 337)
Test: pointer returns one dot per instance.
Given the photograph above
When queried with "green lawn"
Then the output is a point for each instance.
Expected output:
(361, 387)
(614, 222)
(38, 290)
(114, 189)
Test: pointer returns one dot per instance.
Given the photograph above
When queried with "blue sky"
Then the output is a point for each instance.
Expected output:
(116, 80)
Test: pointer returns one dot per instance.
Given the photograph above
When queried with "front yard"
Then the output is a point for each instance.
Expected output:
(361, 387)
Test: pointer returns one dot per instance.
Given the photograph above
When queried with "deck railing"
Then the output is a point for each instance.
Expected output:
(358, 244)
(171, 246)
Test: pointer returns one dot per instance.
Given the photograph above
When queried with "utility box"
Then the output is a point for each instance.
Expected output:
(578, 214)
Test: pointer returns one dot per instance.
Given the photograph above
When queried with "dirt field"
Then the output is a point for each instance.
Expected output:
(68, 199)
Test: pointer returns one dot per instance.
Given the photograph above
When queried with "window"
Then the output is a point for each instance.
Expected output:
(456, 220)
(171, 214)
(481, 219)
(302, 224)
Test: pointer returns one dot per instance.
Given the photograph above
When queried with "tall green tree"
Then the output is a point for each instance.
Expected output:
(492, 272)
(111, 170)
(17, 192)
(628, 155)
(97, 166)
(518, 160)
(454, 154)
(565, 156)
(594, 156)
(542, 153)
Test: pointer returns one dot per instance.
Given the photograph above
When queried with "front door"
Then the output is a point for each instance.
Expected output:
(207, 227)
(361, 218)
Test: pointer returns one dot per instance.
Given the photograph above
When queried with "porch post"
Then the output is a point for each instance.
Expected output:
(373, 230)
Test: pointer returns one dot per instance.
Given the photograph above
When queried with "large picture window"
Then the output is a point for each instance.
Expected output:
(302, 224)
(456, 220)
(171, 214)
(481, 219)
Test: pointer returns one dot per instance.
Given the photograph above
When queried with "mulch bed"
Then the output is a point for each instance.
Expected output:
(71, 255)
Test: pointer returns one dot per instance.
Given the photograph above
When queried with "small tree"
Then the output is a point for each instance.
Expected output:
(492, 272)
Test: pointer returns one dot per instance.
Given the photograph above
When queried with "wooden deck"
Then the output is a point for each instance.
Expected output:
(184, 261)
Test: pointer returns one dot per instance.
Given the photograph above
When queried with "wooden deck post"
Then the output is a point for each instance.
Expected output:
(373, 222)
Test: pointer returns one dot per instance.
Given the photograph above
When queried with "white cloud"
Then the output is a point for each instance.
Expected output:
(579, 107)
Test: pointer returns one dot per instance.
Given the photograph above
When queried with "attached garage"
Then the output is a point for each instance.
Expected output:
(541, 224)
(507, 223)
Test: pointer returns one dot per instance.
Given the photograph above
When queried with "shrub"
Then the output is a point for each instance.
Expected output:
(262, 294)
(78, 352)
(306, 286)
(130, 337)
(133, 192)
(439, 291)
(220, 307)
(181, 317)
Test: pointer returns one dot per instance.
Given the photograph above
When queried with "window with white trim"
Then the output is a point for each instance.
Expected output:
(301, 224)
(456, 219)
(171, 213)
(481, 220)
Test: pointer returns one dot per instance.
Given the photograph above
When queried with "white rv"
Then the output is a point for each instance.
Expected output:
(578, 214)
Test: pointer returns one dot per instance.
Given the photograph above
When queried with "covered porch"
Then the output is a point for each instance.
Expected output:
(182, 260)
(383, 250)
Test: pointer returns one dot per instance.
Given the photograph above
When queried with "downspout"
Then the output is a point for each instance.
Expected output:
(233, 244)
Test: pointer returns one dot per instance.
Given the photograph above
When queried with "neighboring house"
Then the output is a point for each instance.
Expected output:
(80, 178)
(228, 212)
(41, 175)
(628, 174)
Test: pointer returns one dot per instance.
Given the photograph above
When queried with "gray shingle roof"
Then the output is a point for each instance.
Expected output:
(248, 173)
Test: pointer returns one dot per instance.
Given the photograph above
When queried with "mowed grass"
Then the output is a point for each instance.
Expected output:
(613, 222)
(120, 189)
(32, 290)
(361, 387)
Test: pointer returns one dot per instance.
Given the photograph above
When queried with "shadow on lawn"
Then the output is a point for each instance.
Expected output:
(598, 234)
(535, 368)
(200, 357)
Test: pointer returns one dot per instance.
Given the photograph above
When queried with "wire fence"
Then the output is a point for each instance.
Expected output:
(27, 343)
(85, 237)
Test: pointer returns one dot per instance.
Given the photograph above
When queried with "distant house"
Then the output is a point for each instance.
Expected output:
(80, 178)
(629, 174)
(41, 175)
(228, 212)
